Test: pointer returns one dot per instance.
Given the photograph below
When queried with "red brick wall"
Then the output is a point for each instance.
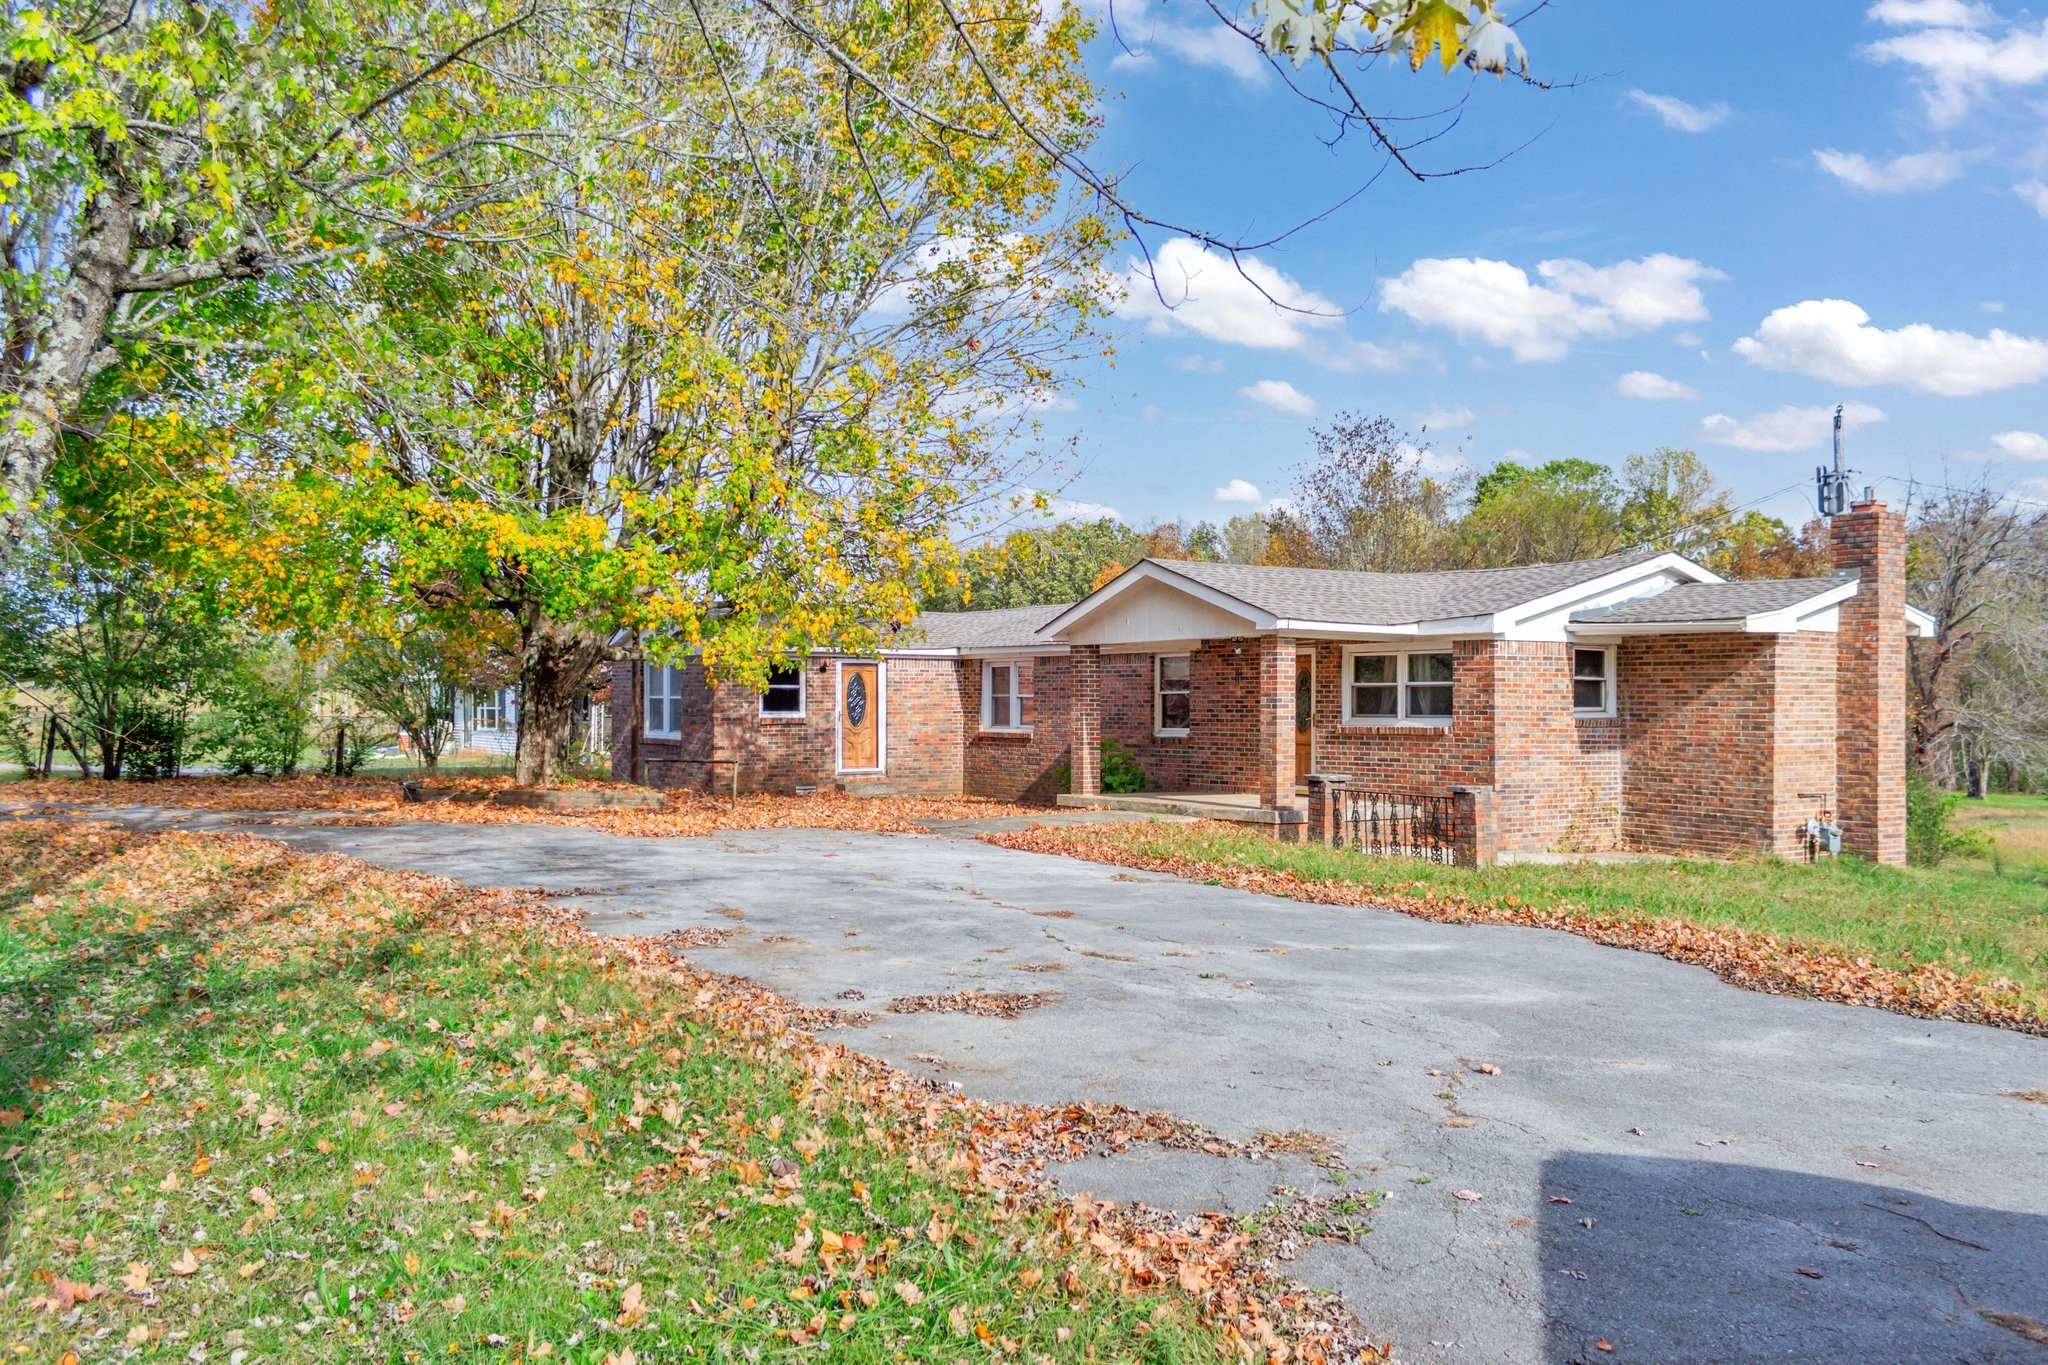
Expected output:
(1871, 682)
(1220, 752)
(1803, 740)
(723, 727)
(1011, 767)
(1557, 777)
(1699, 724)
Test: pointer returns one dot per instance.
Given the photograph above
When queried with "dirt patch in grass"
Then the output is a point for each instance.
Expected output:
(258, 1100)
(1594, 902)
(375, 801)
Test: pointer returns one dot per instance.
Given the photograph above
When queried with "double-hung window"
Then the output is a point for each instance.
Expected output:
(785, 693)
(492, 709)
(1593, 682)
(1006, 696)
(664, 701)
(1390, 688)
(1172, 694)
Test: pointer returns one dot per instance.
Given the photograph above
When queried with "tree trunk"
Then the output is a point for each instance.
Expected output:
(554, 665)
(64, 359)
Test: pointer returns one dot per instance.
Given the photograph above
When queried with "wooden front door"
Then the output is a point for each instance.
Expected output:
(1304, 715)
(860, 718)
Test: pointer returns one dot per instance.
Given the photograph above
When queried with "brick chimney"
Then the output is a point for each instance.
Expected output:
(1870, 682)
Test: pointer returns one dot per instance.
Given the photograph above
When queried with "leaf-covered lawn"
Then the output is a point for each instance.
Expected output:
(1950, 944)
(262, 1105)
(373, 800)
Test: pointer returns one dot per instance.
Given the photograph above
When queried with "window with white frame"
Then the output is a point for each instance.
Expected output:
(1389, 688)
(1005, 696)
(1593, 681)
(785, 694)
(1172, 694)
(492, 710)
(664, 701)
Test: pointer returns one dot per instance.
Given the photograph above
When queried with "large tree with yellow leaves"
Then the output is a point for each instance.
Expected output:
(729, 383)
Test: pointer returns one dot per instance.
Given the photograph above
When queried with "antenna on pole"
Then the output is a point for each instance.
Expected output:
(1832, 485)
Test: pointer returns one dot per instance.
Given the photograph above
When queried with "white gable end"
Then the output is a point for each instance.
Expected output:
(1154, 612)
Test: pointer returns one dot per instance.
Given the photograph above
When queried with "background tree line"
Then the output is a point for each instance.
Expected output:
(1374, 498)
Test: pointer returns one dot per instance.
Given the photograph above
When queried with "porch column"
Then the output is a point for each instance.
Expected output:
(1275, 754)
(1084, 663)
(1326, 807)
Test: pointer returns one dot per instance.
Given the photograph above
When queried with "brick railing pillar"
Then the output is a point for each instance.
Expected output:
(1276, 721)
(1476, 842)
(1084, 663)
(1870, 683)
(1326, 807)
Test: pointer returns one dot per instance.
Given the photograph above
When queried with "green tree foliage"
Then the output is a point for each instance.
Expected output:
(409, 682)
(115, 650)
(1045, 564)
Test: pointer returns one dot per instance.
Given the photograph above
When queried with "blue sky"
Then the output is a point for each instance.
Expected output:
(1742, 214)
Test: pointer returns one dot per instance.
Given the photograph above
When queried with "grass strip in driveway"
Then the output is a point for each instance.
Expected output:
(271, 1105)
(1934, 943)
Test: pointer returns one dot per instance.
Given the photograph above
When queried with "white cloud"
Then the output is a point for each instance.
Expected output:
(1931, 14)
(1191, 289)
(1069, 509)
(1960, 52)
(1789, 428)
(1239, 490)
(1645, 384)
(1199, 364)
(1678, 115)
(1832, 339)
(1280, 396)
(1213, 45)
(2022, 445)
(1436, 417)
(1912, 171)
(2035, 193)
(1498, 303)
(1993, 305)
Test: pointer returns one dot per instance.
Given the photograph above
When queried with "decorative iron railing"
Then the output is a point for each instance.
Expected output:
(1400, 825)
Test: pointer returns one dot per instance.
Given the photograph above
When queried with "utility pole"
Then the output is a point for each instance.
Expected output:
(1832, 485)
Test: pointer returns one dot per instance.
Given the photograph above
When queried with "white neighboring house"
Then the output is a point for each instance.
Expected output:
(487, 722)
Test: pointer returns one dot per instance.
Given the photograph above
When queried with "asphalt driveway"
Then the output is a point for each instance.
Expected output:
(1668, 1166)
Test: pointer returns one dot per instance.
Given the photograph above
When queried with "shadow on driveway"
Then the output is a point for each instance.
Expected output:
(1703, 1260)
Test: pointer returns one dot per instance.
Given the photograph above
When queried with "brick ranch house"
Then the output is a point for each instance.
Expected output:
(1632, 702)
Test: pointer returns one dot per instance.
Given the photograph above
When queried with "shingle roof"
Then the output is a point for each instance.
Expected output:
(1710, 602)
(1000, 628)
(1394, 599)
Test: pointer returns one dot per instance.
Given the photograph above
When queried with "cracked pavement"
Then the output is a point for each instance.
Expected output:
(1669, 1165)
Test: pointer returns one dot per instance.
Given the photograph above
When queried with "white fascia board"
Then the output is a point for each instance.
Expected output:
(1526, 621)
(1588, 631)
(913, 652)
(1792, 618)
(1146, 571)
(1005, 652)
(1921, 623)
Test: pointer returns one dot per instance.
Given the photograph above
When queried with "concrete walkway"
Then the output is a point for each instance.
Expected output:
(1683, 1170)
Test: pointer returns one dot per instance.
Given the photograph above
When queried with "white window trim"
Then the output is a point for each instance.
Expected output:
(1400, 686)
(649, 671)
(803, 697)
(881, 704)
(1604, 712)
(1158, 698)
(503, 707)
(1017, 696)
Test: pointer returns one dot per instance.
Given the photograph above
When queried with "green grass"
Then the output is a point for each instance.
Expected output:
(1965, 918)
(364, 1133)
(2015, 827)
